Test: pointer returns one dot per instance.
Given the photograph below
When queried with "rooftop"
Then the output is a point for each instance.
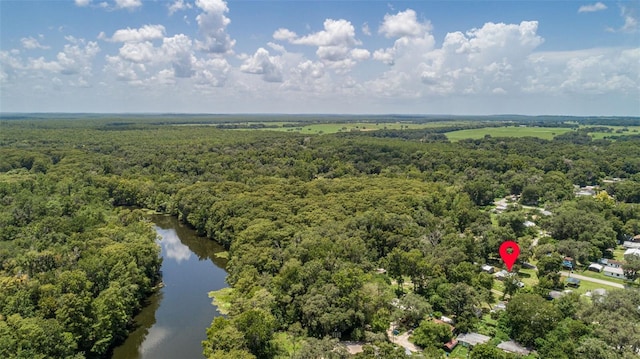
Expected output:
(473, 338)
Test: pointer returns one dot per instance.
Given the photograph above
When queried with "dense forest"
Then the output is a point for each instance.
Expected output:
(330, 237)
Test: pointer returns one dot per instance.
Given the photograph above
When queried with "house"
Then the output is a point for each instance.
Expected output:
(487, 268)
(630, 244)
(632, 251)
(615, 272)
(595, 267)
(528, 224)
(611, 263)
(573, 282)
(513, 347)
(501, 275)
(472, 339)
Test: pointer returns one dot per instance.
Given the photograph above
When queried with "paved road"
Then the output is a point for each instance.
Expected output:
(594, 280)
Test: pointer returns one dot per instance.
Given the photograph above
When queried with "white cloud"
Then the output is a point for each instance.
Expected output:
(139, 52)
(630, 19)
(211, 72)
(336, 43)
(179, 51)
(261, 63)
(179, 5)
(276, 47)
(413, 37)
(284, 34)
(592, 8)
(403, 24)
(128, 4)
(82, 3)
(336, 33)
(75, 59)
(360, 54)
(145, 33)
(32, 43)
(212, 23)
(365, 29)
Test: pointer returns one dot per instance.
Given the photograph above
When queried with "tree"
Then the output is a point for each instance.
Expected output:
(631, 267)
(529, 316)
(257, 327)
(411, 309)
(486, 351)
(430, 333)
(549, 267)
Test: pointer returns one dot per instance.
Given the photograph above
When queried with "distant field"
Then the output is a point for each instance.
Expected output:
(546, 133)
(321, 128)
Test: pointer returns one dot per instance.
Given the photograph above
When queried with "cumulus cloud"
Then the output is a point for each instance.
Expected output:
(412, 37)
(82, 3)
(336, 43)
(179, 5)
(31, 43)
(145, 33)
(284, 34)
(75, 59)
(404, 23)
(261, 63)
(212, 24)
(128, 4)
(592, 8)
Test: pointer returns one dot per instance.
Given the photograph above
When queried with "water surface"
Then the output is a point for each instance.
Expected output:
(175, 320)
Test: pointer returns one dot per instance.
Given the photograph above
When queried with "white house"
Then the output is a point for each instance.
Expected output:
(614, 272)
(634, 251)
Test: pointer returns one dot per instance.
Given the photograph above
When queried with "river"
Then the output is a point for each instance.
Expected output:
(174, 322)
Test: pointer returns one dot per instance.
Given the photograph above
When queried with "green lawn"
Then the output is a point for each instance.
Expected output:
(512, 131)
(586, 286)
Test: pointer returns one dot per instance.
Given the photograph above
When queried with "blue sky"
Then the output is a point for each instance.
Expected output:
(215, 56)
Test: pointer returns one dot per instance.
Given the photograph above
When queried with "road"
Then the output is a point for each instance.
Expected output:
(594, 280)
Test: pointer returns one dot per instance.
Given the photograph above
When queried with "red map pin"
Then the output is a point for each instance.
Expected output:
(509, 258)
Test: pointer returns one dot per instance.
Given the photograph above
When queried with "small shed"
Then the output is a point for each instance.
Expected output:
(513, 347)
(448, 346)
(595, 267)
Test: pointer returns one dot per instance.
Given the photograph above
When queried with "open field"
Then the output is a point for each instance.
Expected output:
(546, 133)
(326, 128)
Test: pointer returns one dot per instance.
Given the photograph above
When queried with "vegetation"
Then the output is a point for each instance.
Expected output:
(309, 223)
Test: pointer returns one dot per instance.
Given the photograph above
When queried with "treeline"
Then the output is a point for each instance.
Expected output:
(309, 222)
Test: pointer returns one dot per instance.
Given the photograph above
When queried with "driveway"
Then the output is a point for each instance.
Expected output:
(402, 340)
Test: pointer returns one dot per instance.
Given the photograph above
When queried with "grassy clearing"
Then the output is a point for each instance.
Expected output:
(546, 133)
(222, 299)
